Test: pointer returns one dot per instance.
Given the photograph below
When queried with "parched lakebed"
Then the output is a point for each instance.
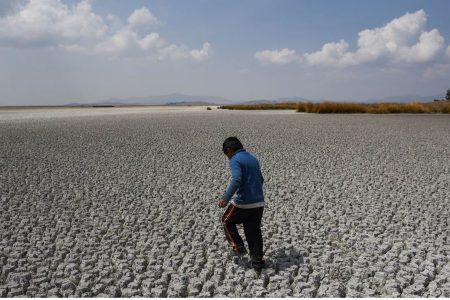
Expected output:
(124, 203)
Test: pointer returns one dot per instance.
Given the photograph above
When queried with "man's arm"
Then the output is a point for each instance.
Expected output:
(236, 178)
(260, 173)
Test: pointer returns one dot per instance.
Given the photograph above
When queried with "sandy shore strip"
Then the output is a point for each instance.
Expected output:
(17, 113)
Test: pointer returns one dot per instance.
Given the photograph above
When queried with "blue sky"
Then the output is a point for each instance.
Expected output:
(56, 51)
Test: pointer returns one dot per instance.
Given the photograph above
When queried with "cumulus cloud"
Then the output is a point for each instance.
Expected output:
(402, 41)
(426, 49)
(201, 54)
(77, 28)
(141, 17)
(281, 57)
(331, 54)
(50, 23)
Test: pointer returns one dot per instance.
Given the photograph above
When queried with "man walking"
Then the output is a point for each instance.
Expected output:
(248, 205)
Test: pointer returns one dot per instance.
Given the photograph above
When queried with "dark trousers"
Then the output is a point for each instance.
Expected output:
(251, 218)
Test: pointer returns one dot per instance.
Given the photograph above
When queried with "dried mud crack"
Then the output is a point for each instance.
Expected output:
(125, 205)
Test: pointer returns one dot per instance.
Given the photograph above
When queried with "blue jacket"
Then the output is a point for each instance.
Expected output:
(246, 181)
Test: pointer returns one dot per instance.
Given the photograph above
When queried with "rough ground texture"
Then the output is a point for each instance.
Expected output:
(125, 205)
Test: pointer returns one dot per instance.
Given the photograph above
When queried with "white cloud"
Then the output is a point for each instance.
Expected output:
(426, 49)
(122, 42)
(50, 23)
(283, 56)
(152, 40)
(141, 17)
(386, 41)
(332, 54)
(201, 54)
(402, 41)
(77, 28)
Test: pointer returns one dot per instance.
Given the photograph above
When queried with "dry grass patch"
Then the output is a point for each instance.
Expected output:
(374, 108)
(349, 107)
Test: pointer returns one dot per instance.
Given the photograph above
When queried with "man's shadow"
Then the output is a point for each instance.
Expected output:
(283, 259)
(279, 260)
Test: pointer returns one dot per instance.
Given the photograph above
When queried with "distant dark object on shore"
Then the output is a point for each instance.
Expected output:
(101, 106)
(208, 108)
(447, 97)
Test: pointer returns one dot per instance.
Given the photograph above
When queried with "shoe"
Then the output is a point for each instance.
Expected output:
(258, 266)
(238, 256)
(240, 251)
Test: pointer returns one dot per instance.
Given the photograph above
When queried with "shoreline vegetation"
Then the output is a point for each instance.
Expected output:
(349, 107)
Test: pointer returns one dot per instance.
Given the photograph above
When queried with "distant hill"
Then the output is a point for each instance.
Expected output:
(170, 99)
(278, 100)
(193, 103)
(397, 99)
(189, 100)
(408, 98)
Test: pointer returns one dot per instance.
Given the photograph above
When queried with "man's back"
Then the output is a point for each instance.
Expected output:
(246, 171)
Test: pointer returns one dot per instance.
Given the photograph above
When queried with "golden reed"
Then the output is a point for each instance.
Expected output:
(348, 107)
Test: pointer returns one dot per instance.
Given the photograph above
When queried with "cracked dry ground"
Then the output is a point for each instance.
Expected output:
(357, 205)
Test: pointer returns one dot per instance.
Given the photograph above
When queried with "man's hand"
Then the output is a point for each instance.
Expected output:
(222, 203)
